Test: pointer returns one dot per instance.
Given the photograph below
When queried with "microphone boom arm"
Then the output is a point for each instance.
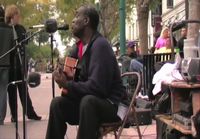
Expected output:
(19, 43)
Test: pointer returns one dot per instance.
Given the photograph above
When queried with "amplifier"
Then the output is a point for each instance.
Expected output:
(190, 69)
(184, 121)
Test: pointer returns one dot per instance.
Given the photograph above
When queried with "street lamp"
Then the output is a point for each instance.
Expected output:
(122, 17)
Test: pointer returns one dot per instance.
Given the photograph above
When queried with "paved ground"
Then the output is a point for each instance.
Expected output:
(41, 97)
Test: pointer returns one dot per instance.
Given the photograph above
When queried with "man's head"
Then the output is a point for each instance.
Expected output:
(86, 18)
(130, 47)
(184, 32)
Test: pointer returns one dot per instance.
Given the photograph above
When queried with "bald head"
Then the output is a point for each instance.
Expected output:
(92, 14)
(86, 20)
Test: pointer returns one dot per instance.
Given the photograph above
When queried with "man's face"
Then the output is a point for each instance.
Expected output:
(184, 32)
(130, 50)
(78, 23)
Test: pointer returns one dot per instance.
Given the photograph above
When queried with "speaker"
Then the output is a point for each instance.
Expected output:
(34, 79)
(143, 116)
(142, 103)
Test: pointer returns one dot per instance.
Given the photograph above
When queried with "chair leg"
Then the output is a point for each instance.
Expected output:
(137, 124)
(115, 133)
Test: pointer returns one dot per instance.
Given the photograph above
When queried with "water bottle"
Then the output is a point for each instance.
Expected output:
(178, 59)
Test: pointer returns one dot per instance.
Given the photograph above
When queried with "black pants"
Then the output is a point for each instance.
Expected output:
(88, 113)
(12, 94)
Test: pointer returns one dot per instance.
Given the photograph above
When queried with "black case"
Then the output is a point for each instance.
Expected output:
(143, 117)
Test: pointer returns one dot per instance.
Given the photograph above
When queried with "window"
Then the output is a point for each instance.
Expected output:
(170, 4)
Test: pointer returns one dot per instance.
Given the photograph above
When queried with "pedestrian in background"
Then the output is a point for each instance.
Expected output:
(12, 18)
(6, 42)
(163, 43)
(180, 43)
(136, 63)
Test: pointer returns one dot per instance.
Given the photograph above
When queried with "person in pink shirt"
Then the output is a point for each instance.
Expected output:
(163, 42)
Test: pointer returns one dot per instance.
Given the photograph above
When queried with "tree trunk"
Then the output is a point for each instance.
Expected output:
(142, 15)
(193, 29)
(186, 9)
(108, 17)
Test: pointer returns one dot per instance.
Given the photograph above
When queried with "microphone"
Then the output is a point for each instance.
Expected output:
(51, 26)
(37, 26)
(33, 80)
(64, 27)
(16, 82)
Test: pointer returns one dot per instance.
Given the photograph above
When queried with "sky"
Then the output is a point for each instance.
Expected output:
(58, 43)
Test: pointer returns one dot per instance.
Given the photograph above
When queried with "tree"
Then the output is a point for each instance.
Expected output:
(108, 10)
(193, 15)
(64, 10)
(42, 38)
(109, 16)
(143, 7)
(109, 24)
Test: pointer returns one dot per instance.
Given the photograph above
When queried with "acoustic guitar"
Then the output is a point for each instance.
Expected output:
(69, 70)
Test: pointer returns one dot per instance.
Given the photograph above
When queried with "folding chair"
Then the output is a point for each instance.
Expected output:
(117, 127)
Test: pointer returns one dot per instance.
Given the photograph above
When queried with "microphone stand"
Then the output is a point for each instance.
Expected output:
(24, 86)
(22, 71)
(19, 43)
(24, 81)
(53, 84)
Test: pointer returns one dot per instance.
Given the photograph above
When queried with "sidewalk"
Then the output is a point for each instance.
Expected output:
(41, 97)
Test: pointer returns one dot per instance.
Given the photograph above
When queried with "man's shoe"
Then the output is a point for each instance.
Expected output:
(34, 117)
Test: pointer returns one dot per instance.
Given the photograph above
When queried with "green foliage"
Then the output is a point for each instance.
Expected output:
(8, 2)
(56, 52)
(37, 53)
(37, 15)
(42, 37)
(43, 52)
(153, 4)
(63, 11)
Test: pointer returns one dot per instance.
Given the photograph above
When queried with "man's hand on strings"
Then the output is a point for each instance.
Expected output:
(59, 77)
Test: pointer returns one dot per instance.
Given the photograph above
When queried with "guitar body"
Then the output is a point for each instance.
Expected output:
(69, 69)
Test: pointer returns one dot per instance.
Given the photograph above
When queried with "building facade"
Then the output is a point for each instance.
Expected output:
(132, 28)
(167, 12)
(173, 11)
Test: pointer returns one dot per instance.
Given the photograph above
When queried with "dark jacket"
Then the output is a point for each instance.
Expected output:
(180, 45)
(98, 72)
(15, 61)
(6, 43)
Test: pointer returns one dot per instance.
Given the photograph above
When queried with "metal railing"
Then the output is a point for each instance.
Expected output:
(149, 62)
